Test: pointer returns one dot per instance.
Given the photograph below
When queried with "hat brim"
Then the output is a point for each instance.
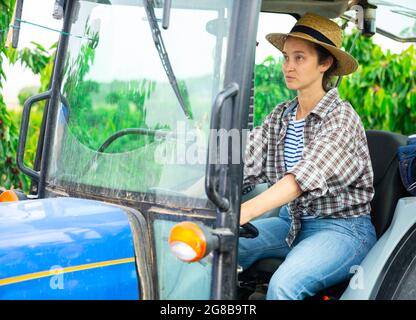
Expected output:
(346, 63)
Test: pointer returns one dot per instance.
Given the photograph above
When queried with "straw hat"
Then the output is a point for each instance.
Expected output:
(322, 31)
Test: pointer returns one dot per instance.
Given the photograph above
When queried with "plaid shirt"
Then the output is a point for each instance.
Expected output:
(334, 173)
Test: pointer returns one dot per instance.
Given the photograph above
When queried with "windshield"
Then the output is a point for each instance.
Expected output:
(136, 108)
(397, 18)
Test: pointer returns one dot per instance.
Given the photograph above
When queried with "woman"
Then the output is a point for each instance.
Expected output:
(313, 151)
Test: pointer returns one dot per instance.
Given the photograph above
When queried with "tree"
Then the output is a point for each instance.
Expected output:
(9, 174)
(383, 90)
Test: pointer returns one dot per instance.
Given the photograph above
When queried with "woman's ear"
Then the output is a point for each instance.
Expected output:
(327, 64)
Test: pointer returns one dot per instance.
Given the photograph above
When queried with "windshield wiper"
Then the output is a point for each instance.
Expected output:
(164, 58)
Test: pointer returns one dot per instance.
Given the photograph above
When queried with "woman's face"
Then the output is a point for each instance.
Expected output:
(300, 67)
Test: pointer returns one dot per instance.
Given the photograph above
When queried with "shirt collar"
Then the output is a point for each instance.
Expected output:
(291, 106)
(323, 106)
(321, 109)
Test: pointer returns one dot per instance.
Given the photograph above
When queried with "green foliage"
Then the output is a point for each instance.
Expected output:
(40, 61)
(270, 88)
(76, 89)
(382, 90)
(32, 137)
(9, 173)
(96, 112)
(25, 93)
(113, 110)
(185, 95)
(80, 90)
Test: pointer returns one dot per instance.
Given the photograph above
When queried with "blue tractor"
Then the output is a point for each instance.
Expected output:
(132, 195)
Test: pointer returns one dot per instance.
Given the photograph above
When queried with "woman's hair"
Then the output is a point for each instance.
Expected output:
(323, 55)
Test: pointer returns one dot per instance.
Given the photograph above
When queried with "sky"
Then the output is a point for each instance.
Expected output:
(37, 11)
(40, 12)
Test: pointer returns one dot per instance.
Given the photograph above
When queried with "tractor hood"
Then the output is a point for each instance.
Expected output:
(64, 248)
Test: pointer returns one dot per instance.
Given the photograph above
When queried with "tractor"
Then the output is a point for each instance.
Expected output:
(136, 186)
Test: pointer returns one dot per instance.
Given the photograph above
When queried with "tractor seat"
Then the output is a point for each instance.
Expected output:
(388, 190)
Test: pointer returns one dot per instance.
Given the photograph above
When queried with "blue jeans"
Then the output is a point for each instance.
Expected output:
(323, 254)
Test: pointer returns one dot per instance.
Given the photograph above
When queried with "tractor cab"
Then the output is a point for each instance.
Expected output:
(137, 180)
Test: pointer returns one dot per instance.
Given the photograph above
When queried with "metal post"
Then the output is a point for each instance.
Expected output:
(56, 95)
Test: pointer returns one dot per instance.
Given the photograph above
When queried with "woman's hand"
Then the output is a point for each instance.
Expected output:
(245, 213)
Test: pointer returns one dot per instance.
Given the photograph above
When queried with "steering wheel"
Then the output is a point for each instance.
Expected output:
(117, 135)
(248, 230)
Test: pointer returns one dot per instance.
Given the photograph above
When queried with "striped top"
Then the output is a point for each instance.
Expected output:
(294, 147)
(294, 141)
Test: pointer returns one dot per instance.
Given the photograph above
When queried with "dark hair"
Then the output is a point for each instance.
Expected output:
(323, 55)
